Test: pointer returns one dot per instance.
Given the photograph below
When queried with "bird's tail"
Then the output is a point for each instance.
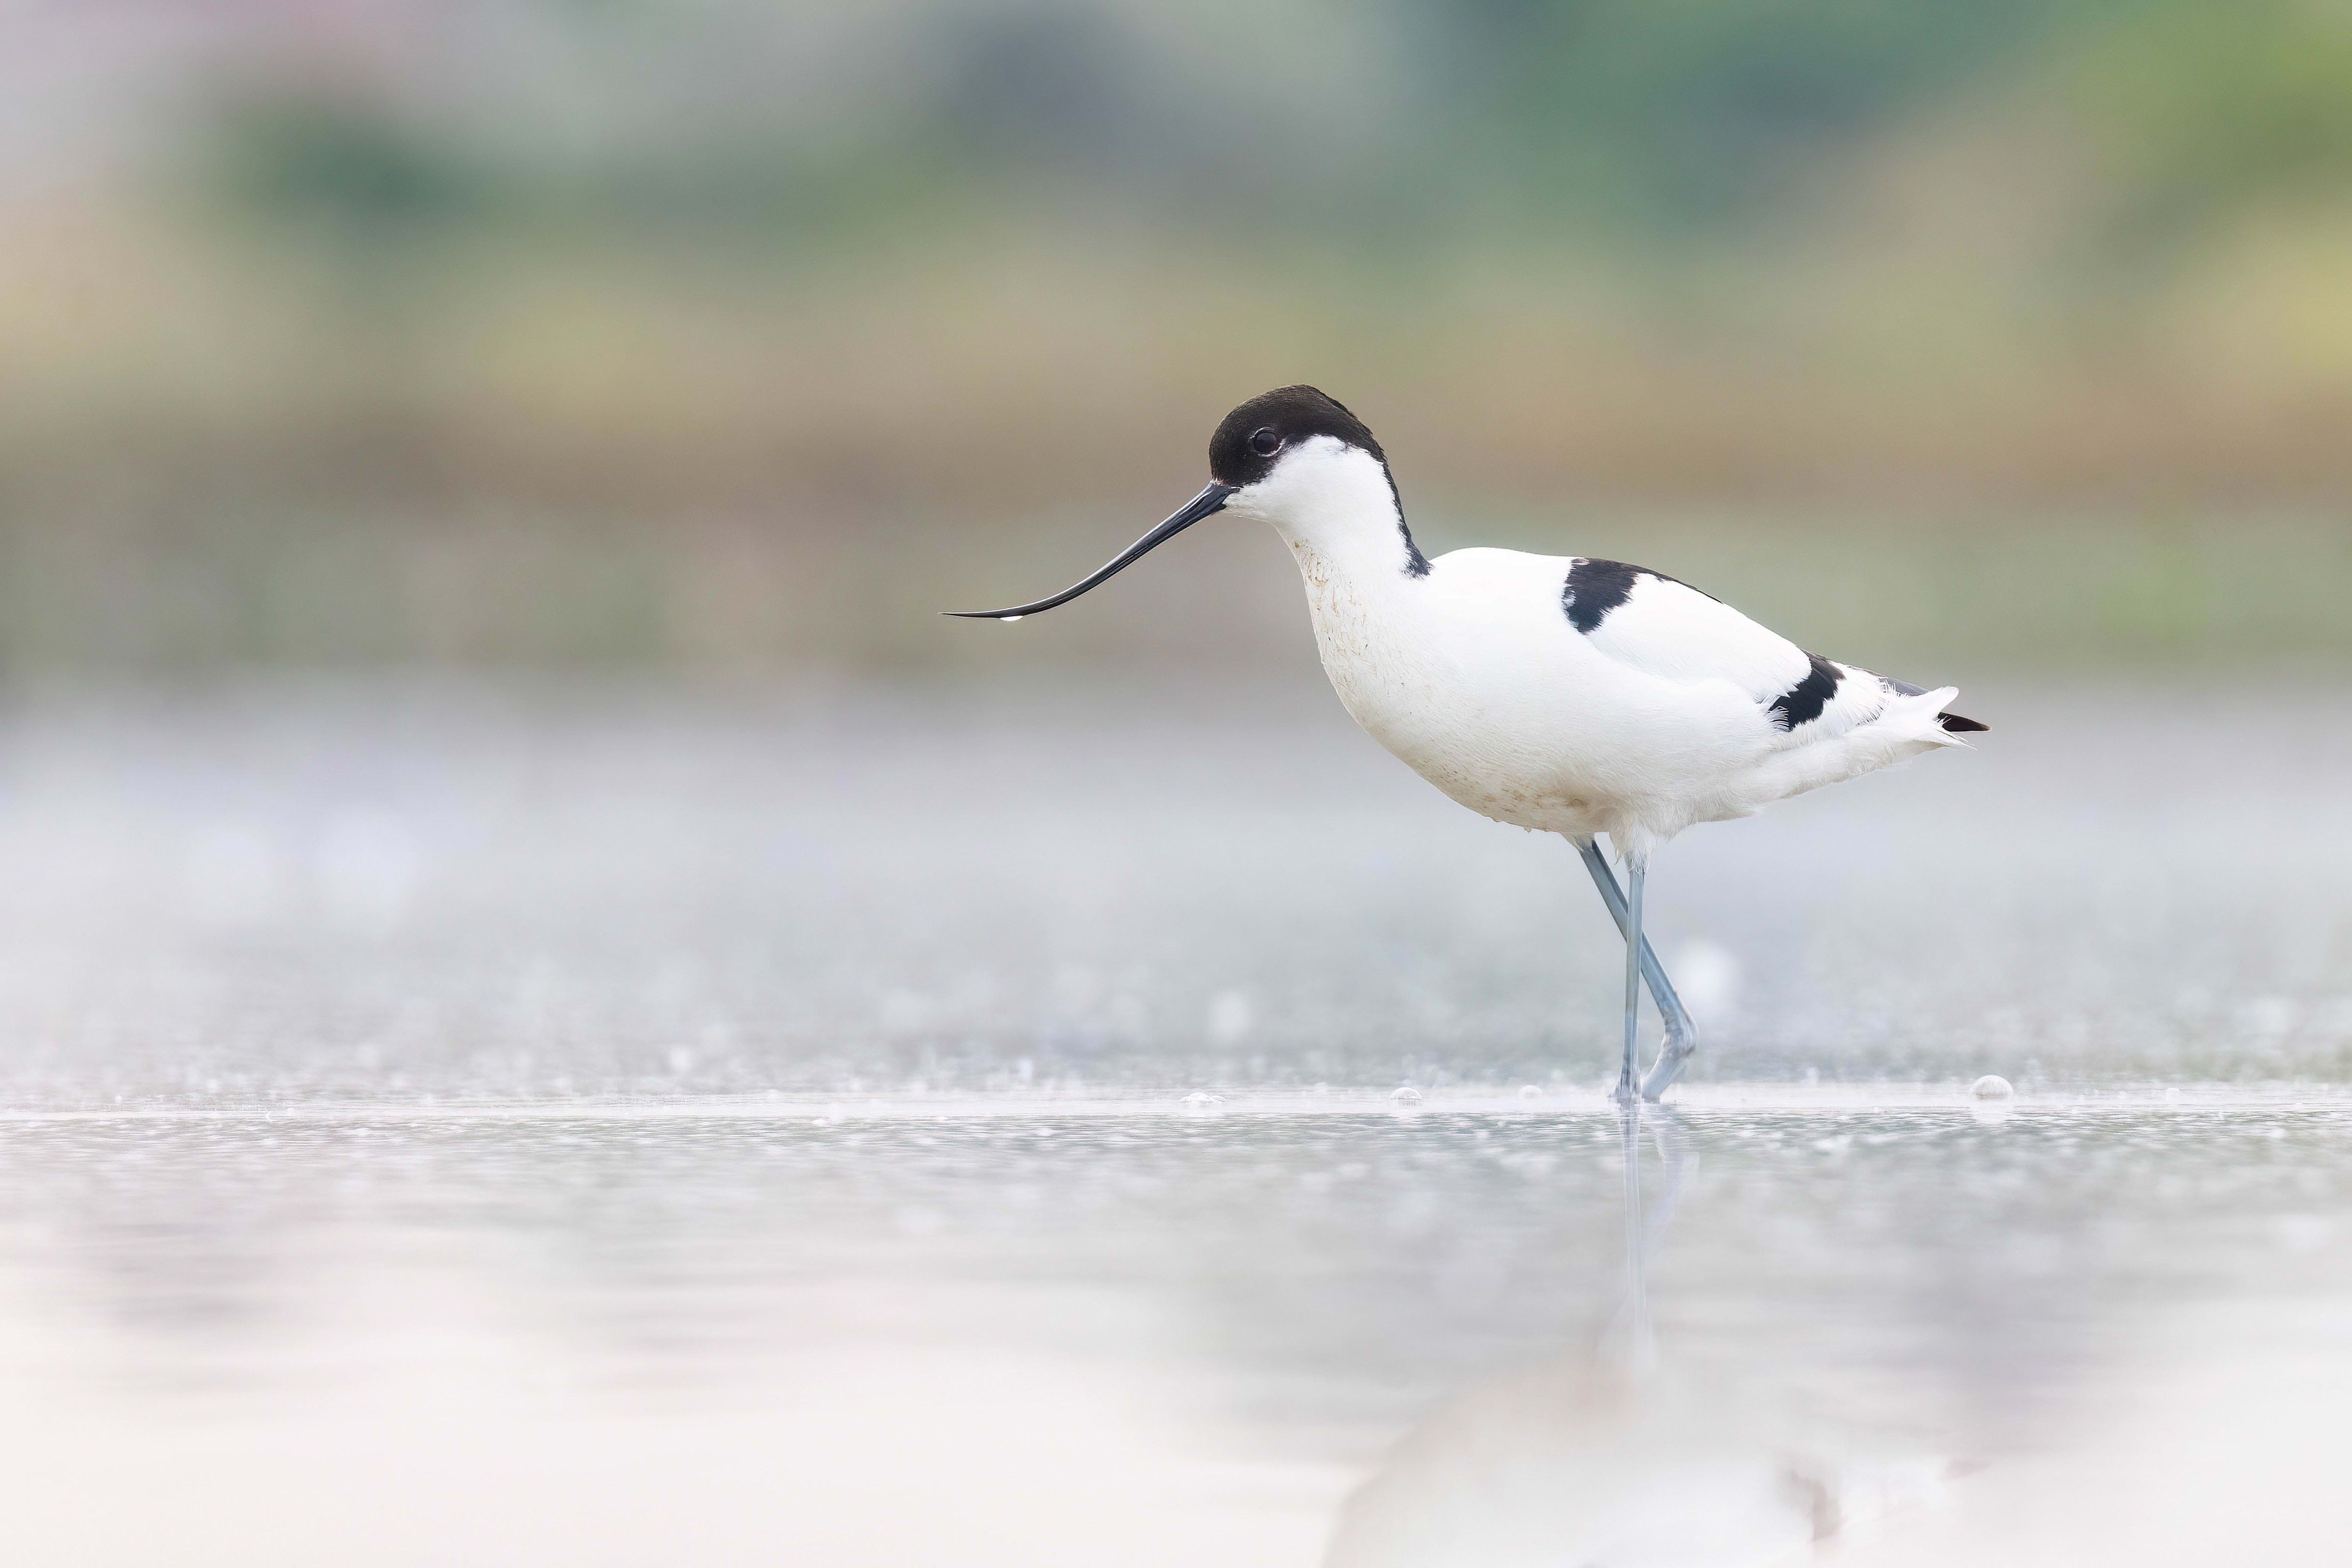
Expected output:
(1921, 720)
(1910, 725)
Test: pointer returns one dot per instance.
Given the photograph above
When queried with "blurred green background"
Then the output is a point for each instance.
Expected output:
(695, 335)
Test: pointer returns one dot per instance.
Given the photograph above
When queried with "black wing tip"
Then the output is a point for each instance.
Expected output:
(1959, 725)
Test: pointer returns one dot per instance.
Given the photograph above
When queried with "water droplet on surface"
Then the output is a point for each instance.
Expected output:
(1990, 1086)
(1529, 1091)
(1201, 1099)
(1405, 1094)
(1008, 620)
(2171, 1097)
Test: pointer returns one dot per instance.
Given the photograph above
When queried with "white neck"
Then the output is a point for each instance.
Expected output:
(1333, 505)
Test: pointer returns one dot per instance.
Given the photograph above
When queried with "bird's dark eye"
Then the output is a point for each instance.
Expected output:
(1264, 441)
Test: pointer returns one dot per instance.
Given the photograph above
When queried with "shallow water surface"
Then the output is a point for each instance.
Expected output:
(382, 891)
(1023, 1333)
(589, 1126)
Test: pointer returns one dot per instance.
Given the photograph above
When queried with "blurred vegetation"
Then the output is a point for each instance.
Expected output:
(720, 332)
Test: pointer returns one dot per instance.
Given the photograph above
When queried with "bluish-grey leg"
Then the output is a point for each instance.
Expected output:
(1681, 1036)
(1629, 1078)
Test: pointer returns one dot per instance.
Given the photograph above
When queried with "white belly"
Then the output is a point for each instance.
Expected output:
(1475, 704)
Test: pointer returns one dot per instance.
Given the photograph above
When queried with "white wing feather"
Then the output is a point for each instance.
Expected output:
(1671, 630)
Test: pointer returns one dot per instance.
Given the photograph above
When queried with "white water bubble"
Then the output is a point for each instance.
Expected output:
(1529, 1091)
(1990, 1086)
(1707, 976)
(1229, 1016)
(233, 876)
(1405, 1094)
(367, 867)
(2302, 1232)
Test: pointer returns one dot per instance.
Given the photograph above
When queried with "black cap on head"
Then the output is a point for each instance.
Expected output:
(1245, 447)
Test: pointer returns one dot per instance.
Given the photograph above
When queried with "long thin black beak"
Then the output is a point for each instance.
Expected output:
(1200, 505)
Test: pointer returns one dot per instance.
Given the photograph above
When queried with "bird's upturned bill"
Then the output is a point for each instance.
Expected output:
(1209, 500)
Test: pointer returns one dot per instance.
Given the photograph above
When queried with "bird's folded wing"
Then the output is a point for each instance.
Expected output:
(1673, 631)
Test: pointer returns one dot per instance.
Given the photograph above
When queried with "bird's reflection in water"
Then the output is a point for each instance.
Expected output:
(1612, 1456)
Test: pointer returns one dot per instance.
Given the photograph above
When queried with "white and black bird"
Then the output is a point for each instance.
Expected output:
(1564, 694)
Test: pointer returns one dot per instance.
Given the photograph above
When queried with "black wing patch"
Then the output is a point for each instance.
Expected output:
(1596, 587)
(1803, 703)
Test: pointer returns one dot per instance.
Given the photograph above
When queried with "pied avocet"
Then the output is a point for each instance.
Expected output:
(1560, 693)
